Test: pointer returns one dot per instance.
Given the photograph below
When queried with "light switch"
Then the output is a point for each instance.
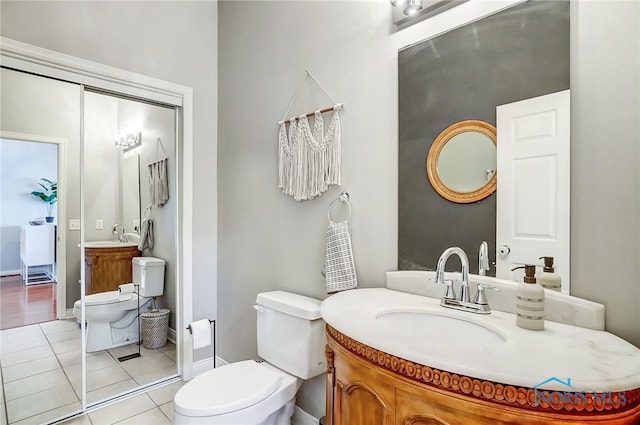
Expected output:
(99, 224)
(74, 224)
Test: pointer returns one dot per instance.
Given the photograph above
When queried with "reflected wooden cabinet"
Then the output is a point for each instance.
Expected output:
(368, 387)
(106, 268)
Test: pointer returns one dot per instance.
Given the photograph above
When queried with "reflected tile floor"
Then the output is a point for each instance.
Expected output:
(41, 378)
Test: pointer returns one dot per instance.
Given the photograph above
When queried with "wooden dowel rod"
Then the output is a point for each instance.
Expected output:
(310, 114)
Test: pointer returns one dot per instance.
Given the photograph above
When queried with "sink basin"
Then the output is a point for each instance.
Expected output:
(132, 237)
(440, 327)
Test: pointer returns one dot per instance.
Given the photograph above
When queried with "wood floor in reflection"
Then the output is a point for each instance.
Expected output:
(22, 305)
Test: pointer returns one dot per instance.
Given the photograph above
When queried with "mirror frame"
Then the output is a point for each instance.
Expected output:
(434, 154)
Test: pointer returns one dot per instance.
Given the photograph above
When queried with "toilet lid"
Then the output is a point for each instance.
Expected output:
(101, 298)
(226, 389)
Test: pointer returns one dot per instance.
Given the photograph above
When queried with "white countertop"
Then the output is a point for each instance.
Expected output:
(594, 360)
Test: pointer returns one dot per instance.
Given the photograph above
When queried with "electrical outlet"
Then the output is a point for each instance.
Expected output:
(99, 224)
(136, 224)
(74, 224)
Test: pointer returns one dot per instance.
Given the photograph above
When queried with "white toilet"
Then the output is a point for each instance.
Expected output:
(112, 318)
(291, 340)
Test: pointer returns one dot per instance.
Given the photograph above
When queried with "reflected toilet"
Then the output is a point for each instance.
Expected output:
(112, 317)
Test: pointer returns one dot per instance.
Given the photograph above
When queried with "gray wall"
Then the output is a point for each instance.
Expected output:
(605, 152)
(100, 159)
(159, 122)
(462, 75)
(174, 41)
(267, 240)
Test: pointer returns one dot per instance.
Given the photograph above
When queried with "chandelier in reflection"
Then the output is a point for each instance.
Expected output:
(128, 140)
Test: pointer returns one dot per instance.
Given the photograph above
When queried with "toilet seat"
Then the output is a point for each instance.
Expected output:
(109, 297)
(226, 389)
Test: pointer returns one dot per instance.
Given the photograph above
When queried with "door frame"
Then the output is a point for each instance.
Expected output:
(61, 237)
(33, 59)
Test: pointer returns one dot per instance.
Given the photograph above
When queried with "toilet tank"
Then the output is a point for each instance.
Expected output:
(291, 333)
(148, 272)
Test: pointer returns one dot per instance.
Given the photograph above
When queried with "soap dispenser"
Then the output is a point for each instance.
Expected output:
(529, 301)
(549, 279)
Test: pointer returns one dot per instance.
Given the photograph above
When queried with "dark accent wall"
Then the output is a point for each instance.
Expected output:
(516, 54)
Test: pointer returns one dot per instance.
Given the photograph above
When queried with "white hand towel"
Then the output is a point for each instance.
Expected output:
(340, 268)
(201, 333)
(146, 235)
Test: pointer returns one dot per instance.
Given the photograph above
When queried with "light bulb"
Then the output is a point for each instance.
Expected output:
(414, 7)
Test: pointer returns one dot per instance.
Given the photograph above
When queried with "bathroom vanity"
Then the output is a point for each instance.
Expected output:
(399, 358)
(108, 264)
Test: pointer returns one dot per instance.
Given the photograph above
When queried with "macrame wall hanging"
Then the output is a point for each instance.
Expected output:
(309, 160)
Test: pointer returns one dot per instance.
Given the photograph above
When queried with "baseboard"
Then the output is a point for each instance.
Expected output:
(205, 365)
(9, 272)
(300, 417)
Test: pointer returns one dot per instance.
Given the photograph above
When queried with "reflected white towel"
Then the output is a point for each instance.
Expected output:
(146, 235)
(201, 333)
(158, 183)
(340, 268)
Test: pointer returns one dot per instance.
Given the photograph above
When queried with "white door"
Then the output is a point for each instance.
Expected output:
(533, 185)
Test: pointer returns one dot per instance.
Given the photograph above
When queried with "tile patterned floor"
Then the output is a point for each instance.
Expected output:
(40, 368)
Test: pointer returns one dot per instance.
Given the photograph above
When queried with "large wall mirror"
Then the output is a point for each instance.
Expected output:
(461, 164)
(103, 190)
(116, 186)
(447, 86)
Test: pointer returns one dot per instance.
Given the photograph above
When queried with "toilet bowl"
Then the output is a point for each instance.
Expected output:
(253, 393)
(111, 317)
(111, 320)
(291, 341)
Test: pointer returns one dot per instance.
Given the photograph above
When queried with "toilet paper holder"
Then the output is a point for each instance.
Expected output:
(213, 322)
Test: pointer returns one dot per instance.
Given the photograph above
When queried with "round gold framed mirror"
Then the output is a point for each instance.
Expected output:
(461, 164)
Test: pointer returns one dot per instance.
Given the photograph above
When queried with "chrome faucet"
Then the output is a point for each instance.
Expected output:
(442, 261)
(483, 258)
(119, 229)
(449, 300)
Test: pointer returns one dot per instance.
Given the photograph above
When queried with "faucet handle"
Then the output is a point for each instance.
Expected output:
(481, 298)
(450, 292)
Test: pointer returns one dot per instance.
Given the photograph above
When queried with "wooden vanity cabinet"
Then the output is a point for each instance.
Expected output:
(369, 387)
(106, 268)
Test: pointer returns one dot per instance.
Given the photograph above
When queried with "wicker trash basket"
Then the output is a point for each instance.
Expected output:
(155, 326)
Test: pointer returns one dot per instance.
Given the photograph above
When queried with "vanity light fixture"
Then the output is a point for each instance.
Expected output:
(413, 7)
(128, 140)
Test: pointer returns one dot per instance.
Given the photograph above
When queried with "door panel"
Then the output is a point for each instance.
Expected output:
(360, 405)
(533, 184)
